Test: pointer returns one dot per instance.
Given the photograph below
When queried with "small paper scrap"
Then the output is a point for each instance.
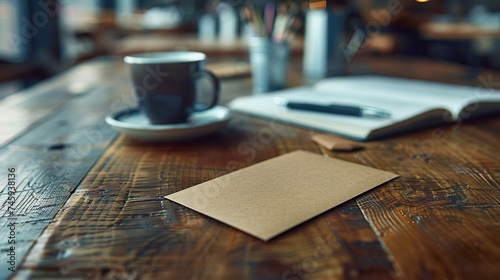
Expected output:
(335, 143)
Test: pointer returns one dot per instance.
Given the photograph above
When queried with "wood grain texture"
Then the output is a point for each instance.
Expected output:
(439, 220)
(52, 157)
(444, 208)
(429, 224)
(32, 106)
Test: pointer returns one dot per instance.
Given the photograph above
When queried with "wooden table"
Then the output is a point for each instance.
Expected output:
(89, 203)
(457, 31)
(154, 42)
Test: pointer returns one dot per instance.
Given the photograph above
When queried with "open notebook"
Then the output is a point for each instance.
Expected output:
(412, 103)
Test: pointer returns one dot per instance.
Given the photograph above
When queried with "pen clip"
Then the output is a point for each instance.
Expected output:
(373, 112)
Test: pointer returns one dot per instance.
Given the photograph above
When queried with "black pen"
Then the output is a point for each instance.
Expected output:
(358, 111)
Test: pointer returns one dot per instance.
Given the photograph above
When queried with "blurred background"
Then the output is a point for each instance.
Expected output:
(41, 38)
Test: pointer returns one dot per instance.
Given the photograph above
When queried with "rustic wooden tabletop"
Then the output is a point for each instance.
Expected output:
(88, 203)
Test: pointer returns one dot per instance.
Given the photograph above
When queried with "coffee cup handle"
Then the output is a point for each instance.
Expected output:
(215, 89)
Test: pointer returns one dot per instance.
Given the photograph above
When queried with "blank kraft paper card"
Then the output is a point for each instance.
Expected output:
(275, 195)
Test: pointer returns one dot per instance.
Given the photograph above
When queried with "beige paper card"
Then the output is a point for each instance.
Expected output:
(273, 196)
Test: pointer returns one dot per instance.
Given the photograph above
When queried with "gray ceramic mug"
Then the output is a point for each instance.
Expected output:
(167, 84)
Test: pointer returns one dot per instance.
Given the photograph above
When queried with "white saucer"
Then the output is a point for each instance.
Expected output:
(134, 124)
